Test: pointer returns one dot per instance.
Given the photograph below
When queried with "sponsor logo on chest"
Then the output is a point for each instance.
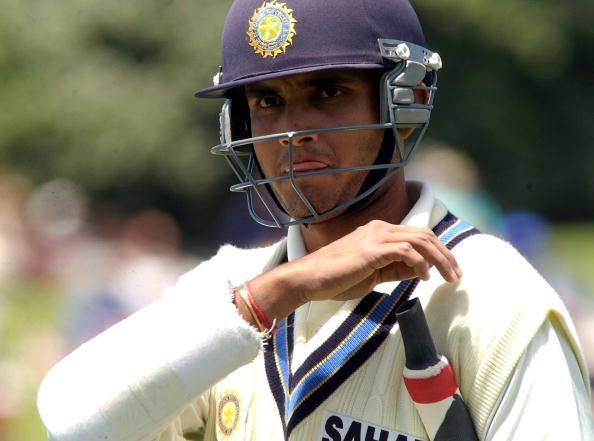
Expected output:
(343, 428)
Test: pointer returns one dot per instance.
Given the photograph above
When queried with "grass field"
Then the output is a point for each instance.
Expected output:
(573, 245)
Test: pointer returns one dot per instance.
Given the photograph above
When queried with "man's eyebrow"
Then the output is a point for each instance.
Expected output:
(259, 91)
(322, 80)
(328, 79)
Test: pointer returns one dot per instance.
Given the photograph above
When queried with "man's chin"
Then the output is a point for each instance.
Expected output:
(323, 215)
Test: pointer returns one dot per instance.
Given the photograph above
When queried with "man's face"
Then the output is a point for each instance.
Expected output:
(315, 101)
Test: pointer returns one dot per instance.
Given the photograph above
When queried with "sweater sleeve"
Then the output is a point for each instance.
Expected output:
(130, 382)
(546, 397)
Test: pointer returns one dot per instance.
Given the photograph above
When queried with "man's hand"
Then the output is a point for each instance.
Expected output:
(352, 266)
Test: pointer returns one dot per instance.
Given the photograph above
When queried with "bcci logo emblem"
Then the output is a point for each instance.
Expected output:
(227, 415)
(271, 29)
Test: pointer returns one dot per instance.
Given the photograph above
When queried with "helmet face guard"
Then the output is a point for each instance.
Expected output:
(410, 65)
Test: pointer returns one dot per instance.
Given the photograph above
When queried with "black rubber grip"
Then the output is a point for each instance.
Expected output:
(419, 348)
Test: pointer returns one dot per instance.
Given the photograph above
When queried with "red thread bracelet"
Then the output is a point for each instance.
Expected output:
(260, 315)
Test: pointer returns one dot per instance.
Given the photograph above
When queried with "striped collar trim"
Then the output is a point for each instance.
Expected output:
(346, 350)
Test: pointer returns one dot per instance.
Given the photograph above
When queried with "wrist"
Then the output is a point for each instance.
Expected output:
(251, 312)
(276, 293)
(240, 305)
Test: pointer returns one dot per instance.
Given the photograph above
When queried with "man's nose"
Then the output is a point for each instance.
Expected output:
(299, 139)
(299, 119)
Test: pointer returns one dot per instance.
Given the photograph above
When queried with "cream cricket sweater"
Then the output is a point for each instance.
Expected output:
(150, 376)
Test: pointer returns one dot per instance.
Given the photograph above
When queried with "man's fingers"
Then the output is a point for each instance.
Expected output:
(375, 253)
(416, 248)
(446, 252)
(400, 271)
(438, 254)
(403, 262)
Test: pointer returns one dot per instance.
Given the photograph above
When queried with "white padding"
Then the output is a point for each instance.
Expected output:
(429, 372)
(413, 75)
(412, 116)
(126, 382)
(403, 96)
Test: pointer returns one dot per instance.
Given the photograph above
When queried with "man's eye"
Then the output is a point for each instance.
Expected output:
(331, 92)
(269, 101)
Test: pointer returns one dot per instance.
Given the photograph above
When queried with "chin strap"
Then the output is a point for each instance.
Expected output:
(384, 156)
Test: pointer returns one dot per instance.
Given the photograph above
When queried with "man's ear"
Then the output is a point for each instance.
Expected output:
(421, 97)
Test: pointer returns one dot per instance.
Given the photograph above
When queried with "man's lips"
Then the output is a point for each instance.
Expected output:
(305, 166)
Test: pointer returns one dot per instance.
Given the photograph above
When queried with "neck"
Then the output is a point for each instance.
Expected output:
(391, 204)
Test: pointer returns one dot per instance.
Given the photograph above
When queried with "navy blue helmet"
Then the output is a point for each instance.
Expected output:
(271, 39)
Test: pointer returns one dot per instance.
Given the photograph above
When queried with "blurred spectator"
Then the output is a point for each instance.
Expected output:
(68, 270)
(144, 258)
(14, 253)
(455, 178)
(530, 233)
(235, 225)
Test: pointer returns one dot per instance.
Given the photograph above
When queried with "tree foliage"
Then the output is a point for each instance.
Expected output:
(101, 92)
(517, 89)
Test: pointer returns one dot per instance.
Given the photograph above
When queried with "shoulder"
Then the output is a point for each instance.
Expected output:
(499, 291)
(487, 252)
(499, 288)
(235, 265)
(495, 273)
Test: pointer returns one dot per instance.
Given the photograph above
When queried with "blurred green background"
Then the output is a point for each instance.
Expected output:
(104, 161)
